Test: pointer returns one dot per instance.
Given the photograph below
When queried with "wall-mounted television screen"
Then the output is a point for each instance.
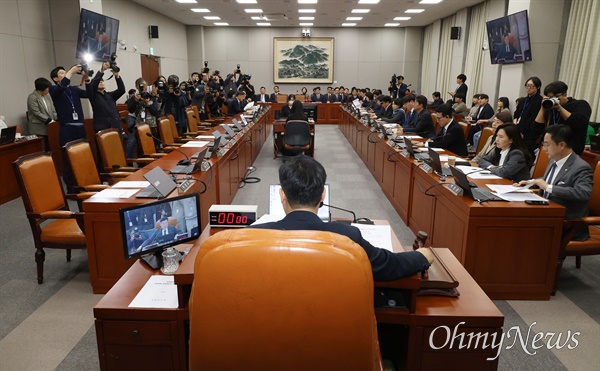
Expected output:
(508, 38)
(97, 38)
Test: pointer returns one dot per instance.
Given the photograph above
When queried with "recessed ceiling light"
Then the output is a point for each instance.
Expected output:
(368, 1)
(212, 18)
(221, 24)
(348, 24)
(430, 1)
(391, 24)
(414, 10)
(306, 24)
(401, 18)
(200, 10)
(186, 1)
(307, 1)
(263, 24)
(306, 18)
(253, 10)
(256, 18)
(246, 1)
(354, 18)
(361, 10)
(307, 11)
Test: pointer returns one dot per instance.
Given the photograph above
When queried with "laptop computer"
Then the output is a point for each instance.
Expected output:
(216, 134)
(276, 208)
(478, 194)
(7, 135)
(191, 168)
(160, 184)
(236, 125)
(594, 143)
(229, 130)
(418, 156)
(436, 164)
(214, 148)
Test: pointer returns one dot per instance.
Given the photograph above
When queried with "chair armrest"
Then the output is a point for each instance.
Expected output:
(156, 155)
(56, 214)
(125, 168)
(142, 160)
(95, 187)
(591, 220)
(183, 140)
(79, 196)
(119, 174)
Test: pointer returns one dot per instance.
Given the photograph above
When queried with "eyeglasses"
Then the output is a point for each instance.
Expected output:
(530, 86)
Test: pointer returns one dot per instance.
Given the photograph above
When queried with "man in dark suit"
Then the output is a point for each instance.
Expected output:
(388, 110)
(302, 191)
(451, 136)
(163, 234)
(275, 93)
(401, 87)
(484, 113)
(263, 96)
(329, 96)
(568, 179)
(237, 105)
(316, 95)
(462, 87)
(337, 96)
(424, 124)
(411, 115)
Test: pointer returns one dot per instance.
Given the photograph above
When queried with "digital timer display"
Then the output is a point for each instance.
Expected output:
(231, 218)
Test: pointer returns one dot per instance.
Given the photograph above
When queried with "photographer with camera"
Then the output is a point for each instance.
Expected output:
(215, 102)
(247, 87)
(557, 108)
(216, 82)
(174, 102)
(104, 104)
(230, 84)
(393, 88)
(133, 103)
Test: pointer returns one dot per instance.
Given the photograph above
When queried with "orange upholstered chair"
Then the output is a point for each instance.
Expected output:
(541, 163)
(112, 153)
(147, 142)
(44, 201)
(83, 166)
(580, 248)
(282, 300)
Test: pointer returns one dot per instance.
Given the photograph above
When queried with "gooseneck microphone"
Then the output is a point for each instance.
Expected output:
(181, 162)
(339, 208)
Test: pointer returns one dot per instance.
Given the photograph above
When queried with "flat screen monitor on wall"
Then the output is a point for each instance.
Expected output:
(97, 38)
(508, 39)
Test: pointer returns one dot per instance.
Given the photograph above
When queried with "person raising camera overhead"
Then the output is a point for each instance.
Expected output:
(104, 104)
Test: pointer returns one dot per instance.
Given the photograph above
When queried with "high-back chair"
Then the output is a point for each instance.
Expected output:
(193, 122)
(541, 163)
(465, 128)
(282, 300)
(44, 201)
(166, 132)
(112, 153)
(580, 248)
(83, 166)
(297, 136)
(147, 142)
(485, 134)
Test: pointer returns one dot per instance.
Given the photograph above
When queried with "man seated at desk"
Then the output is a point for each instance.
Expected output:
(302, 191)
(163, 234)
(568, 179)
(451, 136)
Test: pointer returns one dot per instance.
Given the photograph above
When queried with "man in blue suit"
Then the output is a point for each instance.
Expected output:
(302, 192)
(161, 235)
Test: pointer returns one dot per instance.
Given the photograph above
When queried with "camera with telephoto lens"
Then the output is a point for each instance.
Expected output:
(113, 63)
(85, 68)
(238, 69)
(160, 86)
(550, 102)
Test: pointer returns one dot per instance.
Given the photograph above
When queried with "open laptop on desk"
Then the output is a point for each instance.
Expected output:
(7, 135)
(418, 156)
(214, 149)
(436, 164)
(478, 194)
(160, 184)
(191, 168)
(237, 126)
(229, 131)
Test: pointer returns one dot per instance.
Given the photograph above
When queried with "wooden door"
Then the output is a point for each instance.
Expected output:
(150, 68)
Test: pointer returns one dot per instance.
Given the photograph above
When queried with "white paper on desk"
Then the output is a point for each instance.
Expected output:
(390, 126)
(116, 193)
(158, 292)
(522, 197)
(268, 218)
(377, 235)
(477, 172)
(195, 143)
(412, 136)
(131, 184)
(209, 137)
(500, 188)
(439, 150)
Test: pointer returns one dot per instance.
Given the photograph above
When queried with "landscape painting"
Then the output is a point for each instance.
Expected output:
(303, 60)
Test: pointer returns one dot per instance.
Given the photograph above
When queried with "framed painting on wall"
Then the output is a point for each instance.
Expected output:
(303, 60)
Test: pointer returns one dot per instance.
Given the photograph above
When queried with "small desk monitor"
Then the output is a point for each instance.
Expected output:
(149, 228)
(276, 208)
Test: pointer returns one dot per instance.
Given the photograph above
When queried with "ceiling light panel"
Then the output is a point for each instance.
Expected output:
(306, 18)
(392, 24)
(307, 1)
(348, 24)
(200, 10)
(253, 10)
(354, 18)
(363, 11)
(221, 24)
(186, 1)
(263, 24)
(368, 1)
(212, 18)
(246, 1)
(401, 18)
(307, 11)
(306, 24)
(430, 1)
(414, 10)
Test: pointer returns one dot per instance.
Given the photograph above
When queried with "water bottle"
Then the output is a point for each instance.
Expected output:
(170, 261)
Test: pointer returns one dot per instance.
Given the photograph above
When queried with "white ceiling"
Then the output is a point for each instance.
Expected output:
(329, 13)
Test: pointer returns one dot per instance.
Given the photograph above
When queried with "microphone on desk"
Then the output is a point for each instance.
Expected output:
(339, 208)
(181, 162)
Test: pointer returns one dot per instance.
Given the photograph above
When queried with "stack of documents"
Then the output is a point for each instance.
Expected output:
(195, 143)
(512, 193)
(158, 292)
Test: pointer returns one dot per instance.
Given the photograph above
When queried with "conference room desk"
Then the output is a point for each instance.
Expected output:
(510, 248)
(327, 113)
(157, 339)
(218, 185)
(279, 129)
(8, 154)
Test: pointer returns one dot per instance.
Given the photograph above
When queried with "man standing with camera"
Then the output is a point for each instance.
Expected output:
(104, 103)
(175, 101)
(140, 98)
(557, 108)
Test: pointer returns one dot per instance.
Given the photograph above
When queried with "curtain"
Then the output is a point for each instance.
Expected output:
(475, 56)
(445, 81)
(579, 68)
(426, 61)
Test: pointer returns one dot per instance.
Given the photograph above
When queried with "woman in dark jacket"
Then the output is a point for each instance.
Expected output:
(511, 159)
(285, 110)
(297, 113)
(526, 113)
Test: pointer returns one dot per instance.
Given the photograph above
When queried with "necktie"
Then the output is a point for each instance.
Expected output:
(507, 49)
(164, 232)
(410, 113)
(549, 179)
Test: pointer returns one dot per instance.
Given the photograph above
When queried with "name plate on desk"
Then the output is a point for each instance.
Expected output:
(222, 151)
